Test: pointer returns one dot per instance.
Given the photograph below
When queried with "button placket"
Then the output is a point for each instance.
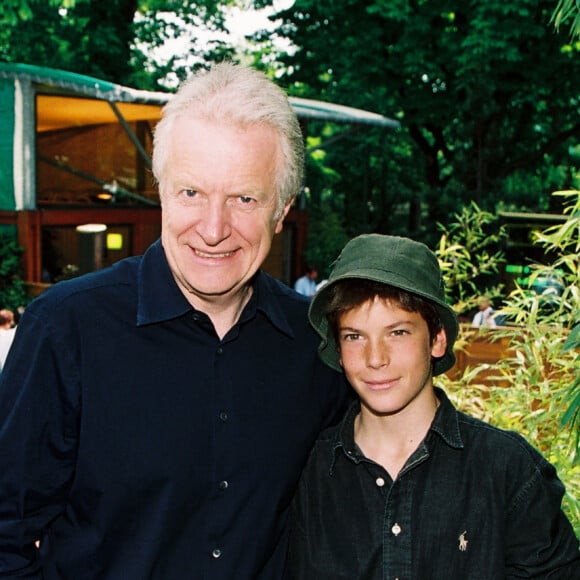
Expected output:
(224, 418)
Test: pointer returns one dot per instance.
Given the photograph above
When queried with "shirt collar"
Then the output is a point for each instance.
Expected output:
(159, 296)
(344, 438)
(266, 293)
(445, 424)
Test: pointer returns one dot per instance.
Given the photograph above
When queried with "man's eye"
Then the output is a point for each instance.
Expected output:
(246, 200)
(189, 192)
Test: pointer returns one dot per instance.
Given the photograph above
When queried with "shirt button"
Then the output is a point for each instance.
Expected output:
(220, 350)
(396, 529)
(224, 416)
(380, 481)
(195, 316)
(216, 553)
(224, 484)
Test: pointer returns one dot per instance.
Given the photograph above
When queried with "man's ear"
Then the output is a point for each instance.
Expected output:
(280, 220)
(439, 345)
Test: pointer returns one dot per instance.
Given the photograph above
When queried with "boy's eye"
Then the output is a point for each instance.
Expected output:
(400, 332)
(350, 336)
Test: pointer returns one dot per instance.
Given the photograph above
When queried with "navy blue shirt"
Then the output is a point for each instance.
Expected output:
(471, 503)
(135, 444)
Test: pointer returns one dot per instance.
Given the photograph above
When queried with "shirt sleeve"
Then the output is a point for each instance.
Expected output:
(38, 419)
(540, 541)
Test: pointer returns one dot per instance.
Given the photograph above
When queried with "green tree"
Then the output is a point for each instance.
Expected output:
(85, 36)
(485, 91)
(111, 40)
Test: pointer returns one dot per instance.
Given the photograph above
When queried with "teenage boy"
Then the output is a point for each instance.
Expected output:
(407, 487)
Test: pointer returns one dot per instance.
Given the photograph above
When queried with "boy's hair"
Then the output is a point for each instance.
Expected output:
(351, 293)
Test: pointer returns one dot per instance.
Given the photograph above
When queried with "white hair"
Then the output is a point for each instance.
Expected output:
(241, 96)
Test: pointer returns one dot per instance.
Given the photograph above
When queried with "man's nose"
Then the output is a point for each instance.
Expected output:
(214, 224)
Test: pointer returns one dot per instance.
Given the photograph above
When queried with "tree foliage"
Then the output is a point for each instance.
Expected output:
(13, 291)
(471, 257)
(535, 388)
(112, 40)
(568, 11)
(85, 36)
(485, 90)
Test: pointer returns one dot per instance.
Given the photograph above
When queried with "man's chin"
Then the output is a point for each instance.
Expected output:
(213, 291)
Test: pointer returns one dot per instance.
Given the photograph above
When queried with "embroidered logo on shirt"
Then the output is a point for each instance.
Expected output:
(463, 542)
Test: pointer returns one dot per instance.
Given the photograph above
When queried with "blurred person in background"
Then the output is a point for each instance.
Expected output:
(484, 317)
(306, 285)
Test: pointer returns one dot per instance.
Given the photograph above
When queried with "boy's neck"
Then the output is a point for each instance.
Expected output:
(390, 440)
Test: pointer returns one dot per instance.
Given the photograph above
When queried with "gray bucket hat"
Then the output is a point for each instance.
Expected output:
(392, 260)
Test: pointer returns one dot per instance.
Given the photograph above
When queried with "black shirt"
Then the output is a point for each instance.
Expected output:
(135, 444)
(471, 503)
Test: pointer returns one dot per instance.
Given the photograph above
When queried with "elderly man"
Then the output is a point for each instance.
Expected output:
(155, 416)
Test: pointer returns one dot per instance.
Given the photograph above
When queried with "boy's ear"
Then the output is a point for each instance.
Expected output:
(439, 345)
